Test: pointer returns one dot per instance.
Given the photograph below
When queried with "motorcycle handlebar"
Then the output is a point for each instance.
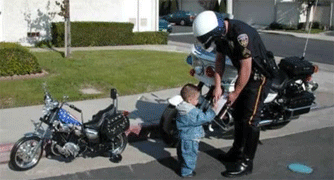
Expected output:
(75, 108)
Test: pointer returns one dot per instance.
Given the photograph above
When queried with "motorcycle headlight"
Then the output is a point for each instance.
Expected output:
(198, 65)
(49, 104)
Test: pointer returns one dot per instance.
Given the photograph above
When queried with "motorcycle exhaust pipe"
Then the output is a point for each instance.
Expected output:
(265, 122)
(270, 121)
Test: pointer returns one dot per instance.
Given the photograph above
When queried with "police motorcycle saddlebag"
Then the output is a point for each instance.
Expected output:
(299, 104)
(115, 124)
(296, 67)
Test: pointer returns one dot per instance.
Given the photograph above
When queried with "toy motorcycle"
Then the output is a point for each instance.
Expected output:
(67, 137)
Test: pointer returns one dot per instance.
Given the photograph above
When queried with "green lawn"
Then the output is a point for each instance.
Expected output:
(129, 71)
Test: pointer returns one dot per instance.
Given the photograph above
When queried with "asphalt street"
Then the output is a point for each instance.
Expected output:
(282, 45)
(312, 148)
(307, 140)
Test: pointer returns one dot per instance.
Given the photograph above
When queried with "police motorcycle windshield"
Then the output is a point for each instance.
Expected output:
(210, 48)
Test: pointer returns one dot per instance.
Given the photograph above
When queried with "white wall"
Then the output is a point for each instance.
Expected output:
(96, 10)
(260, 12)
(141, 13)
(22, 16)
(288, 13)
(322, 15)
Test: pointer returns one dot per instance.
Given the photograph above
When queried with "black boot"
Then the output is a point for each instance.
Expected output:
(245, 166)
(242, 167)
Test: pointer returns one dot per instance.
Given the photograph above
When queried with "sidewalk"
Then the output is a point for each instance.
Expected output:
(145, 109)
(325, 36)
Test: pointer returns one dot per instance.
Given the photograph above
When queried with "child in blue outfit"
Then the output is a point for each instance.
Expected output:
(189, 122)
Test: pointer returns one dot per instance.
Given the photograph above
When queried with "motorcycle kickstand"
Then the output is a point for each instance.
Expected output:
(115, 158)
(260, 142)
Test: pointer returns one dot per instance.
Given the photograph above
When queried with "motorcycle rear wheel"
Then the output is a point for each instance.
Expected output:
(167, 126)
(119, 142)
(22, 150)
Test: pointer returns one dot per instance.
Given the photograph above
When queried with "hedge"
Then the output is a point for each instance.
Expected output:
(150, 38)
(84, 34)
(16, 59)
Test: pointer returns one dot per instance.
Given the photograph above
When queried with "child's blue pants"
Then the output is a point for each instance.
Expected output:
(187, 151)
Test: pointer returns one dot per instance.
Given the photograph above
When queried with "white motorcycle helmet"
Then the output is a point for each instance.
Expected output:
(208, 26)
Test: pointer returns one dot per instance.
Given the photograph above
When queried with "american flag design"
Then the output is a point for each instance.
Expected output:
(67, 118)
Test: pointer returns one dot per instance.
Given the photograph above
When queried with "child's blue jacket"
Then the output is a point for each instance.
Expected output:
(189, 121)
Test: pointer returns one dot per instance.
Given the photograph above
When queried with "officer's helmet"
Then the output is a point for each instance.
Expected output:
(208, 26)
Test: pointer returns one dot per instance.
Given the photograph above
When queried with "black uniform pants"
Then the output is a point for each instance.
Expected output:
(247, 115)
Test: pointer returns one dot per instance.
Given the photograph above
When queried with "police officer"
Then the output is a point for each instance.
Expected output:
(243, 45)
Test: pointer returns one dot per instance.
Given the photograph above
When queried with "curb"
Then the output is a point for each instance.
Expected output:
(319, 36)
(134, 134)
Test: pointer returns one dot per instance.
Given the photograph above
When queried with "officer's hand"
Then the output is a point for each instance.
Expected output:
(217, 93)
(232, 97)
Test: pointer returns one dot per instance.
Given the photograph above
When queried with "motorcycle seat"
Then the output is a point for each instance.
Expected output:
(280, 82)
(98, 118)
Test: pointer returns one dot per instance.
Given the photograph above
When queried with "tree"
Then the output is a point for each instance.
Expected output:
(309, 5)
(65, 12)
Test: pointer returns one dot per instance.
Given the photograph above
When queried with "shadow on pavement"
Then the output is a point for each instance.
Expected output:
(215, 153)
(149, 109)
(156, 149)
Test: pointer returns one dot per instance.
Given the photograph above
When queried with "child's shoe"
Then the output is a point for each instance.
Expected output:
(210, 127)
(190, 175)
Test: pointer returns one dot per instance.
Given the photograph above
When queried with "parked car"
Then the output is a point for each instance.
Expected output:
(165, 26)
(181, 17)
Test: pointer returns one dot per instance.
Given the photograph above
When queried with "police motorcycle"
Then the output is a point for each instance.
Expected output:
(61, 134)
(291, 94)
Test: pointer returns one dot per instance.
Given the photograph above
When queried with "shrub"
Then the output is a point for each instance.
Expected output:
(300, 25)
(316, 25)
(150, 38)
(279, 26)
(44, 43)
(275, 25)
(16, 59)
(85, 34)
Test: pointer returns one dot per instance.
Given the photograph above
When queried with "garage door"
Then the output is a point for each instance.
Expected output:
(191, 5)
(259, 12)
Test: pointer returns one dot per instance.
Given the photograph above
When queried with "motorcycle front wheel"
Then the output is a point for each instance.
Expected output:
(24, 154)
(167, 126)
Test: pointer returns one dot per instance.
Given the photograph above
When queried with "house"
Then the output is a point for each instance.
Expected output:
(264, 12)
(28, 21)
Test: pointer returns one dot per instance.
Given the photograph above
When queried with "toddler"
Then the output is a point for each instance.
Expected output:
(189, 122)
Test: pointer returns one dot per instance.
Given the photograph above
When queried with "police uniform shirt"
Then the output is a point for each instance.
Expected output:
(242, 41)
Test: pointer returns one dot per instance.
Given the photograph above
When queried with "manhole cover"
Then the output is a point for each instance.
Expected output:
(90, 91)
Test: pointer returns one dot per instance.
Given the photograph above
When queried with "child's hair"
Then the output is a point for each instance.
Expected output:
(188, 91)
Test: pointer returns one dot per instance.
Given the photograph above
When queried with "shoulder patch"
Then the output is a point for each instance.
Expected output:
(243, 40)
